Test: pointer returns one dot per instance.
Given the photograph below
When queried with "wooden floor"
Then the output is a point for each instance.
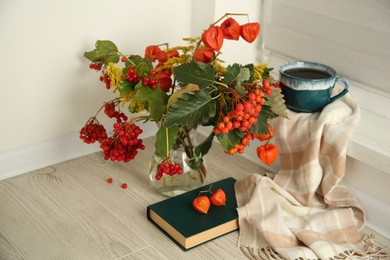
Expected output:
(69, 211)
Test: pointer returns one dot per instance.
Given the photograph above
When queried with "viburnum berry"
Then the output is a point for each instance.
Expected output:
(110, 111)
(93, 131)
(124, 144)
(109, 180)
(168, 168)
(96, 65)
(124, 185)
(132, 75)
(107, 81)
(276, 84)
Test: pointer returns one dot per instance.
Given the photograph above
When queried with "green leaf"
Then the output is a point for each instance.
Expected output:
(251, 68)
(197, 73)
(205, 146)
(195, 162)
(142, 66)
(231, 74)
(276, 102)
(261, 126)
(200, 151)
(212, 112)
(235, 76)
(105, 51)
(229, 140)
(266, 72)
(189, 88)
(125, 86)
(134, 60)
(190, 109)
(165, 139)
(156, 98)
(244, 75)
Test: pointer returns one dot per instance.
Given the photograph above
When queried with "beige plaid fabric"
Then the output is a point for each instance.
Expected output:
(304, 212)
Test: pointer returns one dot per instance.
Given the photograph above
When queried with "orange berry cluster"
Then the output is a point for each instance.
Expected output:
(244, 116)
(266, 87)
(239, 148)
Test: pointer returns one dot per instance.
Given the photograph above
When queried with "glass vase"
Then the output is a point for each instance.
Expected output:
(189, 179)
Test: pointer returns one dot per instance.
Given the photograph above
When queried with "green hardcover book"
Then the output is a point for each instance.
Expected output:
(189, 228)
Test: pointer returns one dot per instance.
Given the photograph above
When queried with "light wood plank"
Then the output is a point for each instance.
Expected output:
(47, 216)
(131, 207)
(8, 249)
(148, 253)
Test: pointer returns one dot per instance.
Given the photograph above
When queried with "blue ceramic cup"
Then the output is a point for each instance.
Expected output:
(308, 86)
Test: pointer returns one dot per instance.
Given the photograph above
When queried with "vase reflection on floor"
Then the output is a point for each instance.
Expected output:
(178, 183)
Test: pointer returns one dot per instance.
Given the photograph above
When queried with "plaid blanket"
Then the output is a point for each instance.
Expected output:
(304, 212)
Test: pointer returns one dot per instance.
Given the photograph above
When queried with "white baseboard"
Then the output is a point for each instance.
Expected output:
(49, 152)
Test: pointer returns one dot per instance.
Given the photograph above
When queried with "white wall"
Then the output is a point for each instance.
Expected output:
(47, 89)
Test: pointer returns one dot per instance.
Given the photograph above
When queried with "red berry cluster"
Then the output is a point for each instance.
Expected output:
(109, 110)
(93, 131)
(151, 81)
(123, 145)
(132, 75)
(168, 168)
(106, 79)
(154, 53)
(96, 66)
(244, 115)
(148, 81)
